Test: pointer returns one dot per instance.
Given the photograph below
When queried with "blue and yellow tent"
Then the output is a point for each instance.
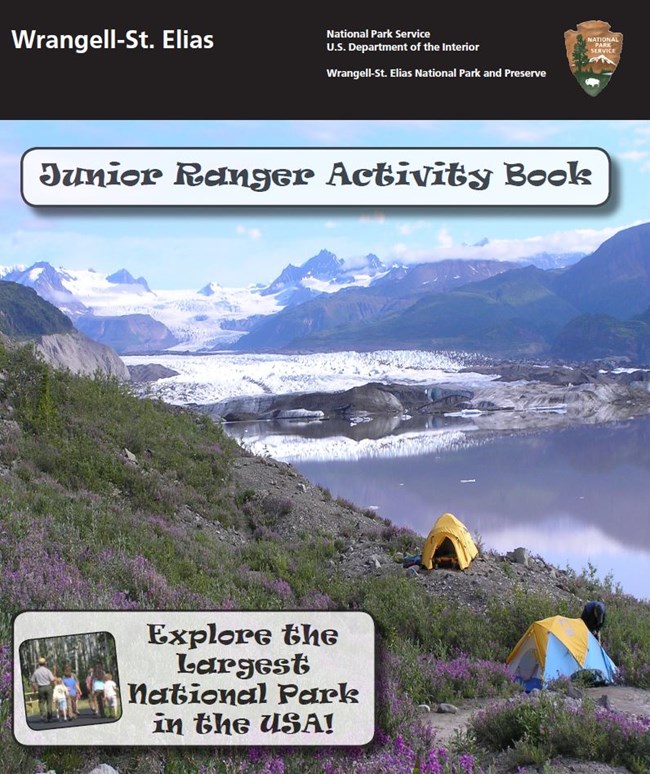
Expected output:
(558, 647)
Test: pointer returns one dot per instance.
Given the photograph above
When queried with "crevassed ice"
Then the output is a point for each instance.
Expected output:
(210, 378)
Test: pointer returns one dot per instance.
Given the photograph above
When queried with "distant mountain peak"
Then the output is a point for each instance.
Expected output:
(322, 266)
(210, 289)
(372, 263)
(325, 265)
(124, 277)
(40, 276)
(121, 277)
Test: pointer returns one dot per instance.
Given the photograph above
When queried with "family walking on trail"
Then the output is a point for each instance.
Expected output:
(59, 697)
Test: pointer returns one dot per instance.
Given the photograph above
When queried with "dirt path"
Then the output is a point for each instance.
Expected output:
(446, 725)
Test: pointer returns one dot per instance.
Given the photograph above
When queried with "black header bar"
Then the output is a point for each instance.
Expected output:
(322, 61)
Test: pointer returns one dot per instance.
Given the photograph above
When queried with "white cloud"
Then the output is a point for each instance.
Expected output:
(330, 224)
(444, 238)
(637, 136)
(633, 155)
(578, 241)
(411, 228)
(253, 232)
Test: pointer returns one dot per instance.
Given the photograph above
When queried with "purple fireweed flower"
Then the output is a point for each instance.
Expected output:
(466, 764)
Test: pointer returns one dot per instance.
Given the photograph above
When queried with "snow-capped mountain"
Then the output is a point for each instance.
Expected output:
(324, 273)
(211, 317)
(210, 289)
(126, 313)
(123, 277)
(48, 282)
(554, 260)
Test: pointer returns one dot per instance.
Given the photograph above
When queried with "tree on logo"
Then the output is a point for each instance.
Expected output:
(580, 56)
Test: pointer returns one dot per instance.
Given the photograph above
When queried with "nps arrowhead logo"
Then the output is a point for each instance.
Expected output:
(594, 52)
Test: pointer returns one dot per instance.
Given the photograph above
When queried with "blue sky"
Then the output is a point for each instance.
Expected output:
(174, 248)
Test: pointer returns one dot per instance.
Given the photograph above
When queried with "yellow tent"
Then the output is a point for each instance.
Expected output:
(558, 647)
(448, 540)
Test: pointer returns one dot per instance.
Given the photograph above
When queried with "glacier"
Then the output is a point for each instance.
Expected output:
(204, 379)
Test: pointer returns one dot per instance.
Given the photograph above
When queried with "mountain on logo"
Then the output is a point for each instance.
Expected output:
(602, 58)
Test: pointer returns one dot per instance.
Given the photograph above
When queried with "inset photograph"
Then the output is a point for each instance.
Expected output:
(70, 680)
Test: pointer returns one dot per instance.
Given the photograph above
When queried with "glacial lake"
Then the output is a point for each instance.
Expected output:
(577, 496)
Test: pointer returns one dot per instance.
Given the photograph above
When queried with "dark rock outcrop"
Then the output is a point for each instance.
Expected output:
(373, 399)
(150, 372)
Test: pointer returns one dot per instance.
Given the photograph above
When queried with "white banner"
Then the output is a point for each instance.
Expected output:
(199, 678)
(339, 177)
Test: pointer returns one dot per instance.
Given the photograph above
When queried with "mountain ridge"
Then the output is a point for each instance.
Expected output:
(517, 313)
(327, 302)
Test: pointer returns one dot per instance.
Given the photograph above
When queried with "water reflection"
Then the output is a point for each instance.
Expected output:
(575, 495)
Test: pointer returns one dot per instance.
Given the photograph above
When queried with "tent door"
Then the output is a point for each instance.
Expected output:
(445, 555)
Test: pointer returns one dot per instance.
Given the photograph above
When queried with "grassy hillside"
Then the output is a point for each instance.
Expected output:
(513, 313)
(613, 280)
(24, 313)
(592, 336)
(112, 502)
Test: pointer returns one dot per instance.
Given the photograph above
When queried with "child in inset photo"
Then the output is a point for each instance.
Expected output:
(60, 699)
(98, 677)
(92, 702)
(110, 695)
(74, 690)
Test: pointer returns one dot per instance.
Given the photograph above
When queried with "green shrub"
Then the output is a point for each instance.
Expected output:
(539, 728)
